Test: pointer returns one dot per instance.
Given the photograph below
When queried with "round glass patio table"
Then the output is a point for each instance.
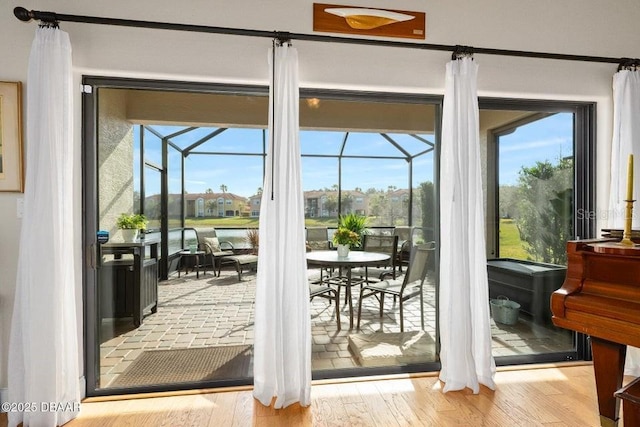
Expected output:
(330, 259)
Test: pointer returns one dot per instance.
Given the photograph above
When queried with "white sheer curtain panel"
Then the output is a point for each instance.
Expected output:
(282, 343)
(626, 140)
(43, 347)
(465, 328)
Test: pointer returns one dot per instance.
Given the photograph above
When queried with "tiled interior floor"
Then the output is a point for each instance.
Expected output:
(214, 311)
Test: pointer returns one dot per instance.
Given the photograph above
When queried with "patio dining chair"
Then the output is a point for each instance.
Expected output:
(318, 238)
(402, 290)
(405, 235)
(381, 244)
(324, 291)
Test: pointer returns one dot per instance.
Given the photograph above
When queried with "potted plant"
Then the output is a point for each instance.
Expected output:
(131, 224)
(354, 222)
(344, 239)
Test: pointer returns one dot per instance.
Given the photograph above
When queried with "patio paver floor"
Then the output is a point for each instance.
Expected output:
(213, 311)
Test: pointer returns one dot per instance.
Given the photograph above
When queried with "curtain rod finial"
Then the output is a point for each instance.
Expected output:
(22, 14)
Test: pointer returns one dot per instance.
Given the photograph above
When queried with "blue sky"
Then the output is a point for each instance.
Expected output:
(546, 139)
(242, 174)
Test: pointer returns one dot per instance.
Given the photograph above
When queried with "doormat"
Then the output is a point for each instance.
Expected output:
(187, 365)
(388, 349)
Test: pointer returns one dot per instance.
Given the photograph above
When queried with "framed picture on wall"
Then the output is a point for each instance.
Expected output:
(11, 168)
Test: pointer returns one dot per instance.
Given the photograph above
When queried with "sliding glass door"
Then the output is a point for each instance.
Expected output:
(191, 158)
(537, 182)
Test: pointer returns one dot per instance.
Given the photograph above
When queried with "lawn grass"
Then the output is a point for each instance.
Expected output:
(510, 244)
(250, 222)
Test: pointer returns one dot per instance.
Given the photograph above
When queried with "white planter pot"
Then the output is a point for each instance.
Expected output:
(129, 235)
(343, 251)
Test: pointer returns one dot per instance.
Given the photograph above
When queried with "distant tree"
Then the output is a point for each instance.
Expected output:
(508, 201)
(223, 188)
(377, 201)
(545, 206)
(212, 207)
(209, 191)
(259, 191)
(331, 204)
(347, 203)
(371, 190)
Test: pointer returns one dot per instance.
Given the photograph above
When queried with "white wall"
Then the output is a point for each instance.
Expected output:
(587, 27)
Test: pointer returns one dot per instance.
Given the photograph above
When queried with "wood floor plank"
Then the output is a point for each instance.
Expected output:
(327, 407)
(382, 413)
(492, 414)
(223, 408)
(555, 396)
(395, 392)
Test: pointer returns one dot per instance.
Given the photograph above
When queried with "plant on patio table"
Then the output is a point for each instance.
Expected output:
(132, 221)
(354, 222)
(344, 236)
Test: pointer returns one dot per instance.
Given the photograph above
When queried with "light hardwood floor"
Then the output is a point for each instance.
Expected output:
(551, 395)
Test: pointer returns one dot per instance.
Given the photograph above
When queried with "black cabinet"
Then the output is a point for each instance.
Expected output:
(128, 285)
(528, 283)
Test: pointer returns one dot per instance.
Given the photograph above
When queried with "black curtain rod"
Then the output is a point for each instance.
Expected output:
(53, 17)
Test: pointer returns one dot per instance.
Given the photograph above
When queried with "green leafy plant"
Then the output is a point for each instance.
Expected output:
(354, 222)
(132, 221)
(344, 236)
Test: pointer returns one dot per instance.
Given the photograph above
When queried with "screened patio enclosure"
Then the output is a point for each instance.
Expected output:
(197, 160)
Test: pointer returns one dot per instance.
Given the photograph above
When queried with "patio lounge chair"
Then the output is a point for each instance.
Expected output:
(403, 290)
(214, 249)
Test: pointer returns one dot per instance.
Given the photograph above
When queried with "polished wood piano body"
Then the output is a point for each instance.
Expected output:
(600, 297)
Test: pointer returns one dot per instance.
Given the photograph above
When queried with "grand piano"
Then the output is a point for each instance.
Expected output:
(600, 297)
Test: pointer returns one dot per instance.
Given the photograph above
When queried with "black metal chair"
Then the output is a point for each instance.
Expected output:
(405, 242)
(381, 244)
(214, 249)
(324, 291)
(318, 238)
(404, 290)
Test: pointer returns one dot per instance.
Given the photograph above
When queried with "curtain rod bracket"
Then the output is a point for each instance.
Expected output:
(461, 52)
(283, 37)
(629, 64)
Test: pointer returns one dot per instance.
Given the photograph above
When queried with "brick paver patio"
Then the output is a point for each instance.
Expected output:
(214, 311)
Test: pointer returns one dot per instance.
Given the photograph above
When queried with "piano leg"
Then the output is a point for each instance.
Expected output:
(608, 365)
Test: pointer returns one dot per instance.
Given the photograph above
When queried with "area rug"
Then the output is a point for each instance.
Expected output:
(388, 349)
(187, 365)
